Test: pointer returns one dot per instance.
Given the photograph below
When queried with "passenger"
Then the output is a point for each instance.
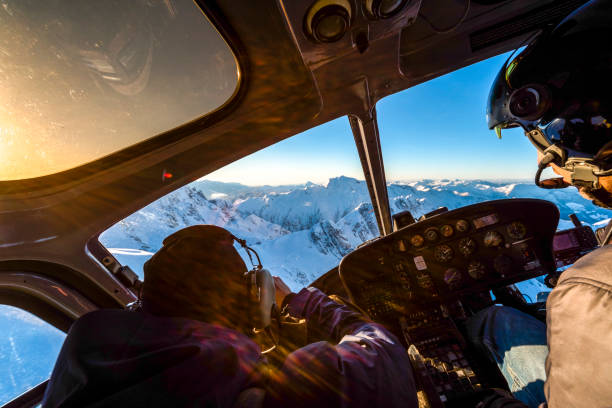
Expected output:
(559, 91)
(189, 345)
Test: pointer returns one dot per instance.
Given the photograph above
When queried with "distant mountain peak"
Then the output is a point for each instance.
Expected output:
(342, 180)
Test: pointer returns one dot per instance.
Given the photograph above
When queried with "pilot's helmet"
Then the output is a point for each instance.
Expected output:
(559, 90)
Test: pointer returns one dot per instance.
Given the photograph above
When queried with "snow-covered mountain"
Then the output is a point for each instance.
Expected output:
(302, 231)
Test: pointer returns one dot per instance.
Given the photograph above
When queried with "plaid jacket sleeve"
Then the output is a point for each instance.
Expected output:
(350, 362)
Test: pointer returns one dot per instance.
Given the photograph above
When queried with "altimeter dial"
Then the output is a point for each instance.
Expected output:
(443, 253)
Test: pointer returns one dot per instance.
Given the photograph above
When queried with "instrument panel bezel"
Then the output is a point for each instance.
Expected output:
(376, 263)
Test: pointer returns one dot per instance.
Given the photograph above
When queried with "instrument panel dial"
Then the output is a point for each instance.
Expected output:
(417, 241)
(493, 239)
(443, 253)
(447, 230)
(467, 246)
(476, 269)
(462, 225)
(453, 278)
(517, 230)
(503, 265)
(431, 234)
(424, 280)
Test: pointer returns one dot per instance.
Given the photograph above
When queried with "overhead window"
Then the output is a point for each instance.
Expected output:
(28, 349)
(81, 80)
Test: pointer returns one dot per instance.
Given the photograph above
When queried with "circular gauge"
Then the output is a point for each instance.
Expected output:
(462, 225)
(467, 246)
(431, 234)
(443, 253)
(517, 230)
(476, 269)
(503, 265)
(453, 278)
(493, 239)
(447, 231)
(417, 241)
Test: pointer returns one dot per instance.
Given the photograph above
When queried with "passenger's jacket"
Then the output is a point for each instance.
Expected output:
(114, 358)
(579, 332)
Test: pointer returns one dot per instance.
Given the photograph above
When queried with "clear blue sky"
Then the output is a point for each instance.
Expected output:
(434, 130)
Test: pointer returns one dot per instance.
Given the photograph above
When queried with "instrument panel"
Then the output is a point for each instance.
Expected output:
(471, 249)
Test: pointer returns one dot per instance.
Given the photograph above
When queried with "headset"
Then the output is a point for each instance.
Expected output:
(527, 105)
(261, 294)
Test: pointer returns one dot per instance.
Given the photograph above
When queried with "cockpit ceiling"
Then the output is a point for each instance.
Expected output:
(81, 80)
(508, 25)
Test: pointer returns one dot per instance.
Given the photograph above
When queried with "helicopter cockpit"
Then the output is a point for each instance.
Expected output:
(131, 103)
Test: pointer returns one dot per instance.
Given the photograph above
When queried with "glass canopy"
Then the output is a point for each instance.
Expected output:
(82, 79)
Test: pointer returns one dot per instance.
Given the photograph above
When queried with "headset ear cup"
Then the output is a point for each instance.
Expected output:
(530, 102)
(267, 295)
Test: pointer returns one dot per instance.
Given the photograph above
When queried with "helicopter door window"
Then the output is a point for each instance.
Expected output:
(302, 204)
(28, 349)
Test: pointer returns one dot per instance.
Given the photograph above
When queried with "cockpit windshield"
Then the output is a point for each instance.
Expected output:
(81, 80)
(302, 204)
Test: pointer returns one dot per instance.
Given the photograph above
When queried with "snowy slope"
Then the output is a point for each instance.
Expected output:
(28, 351)
(303, 231)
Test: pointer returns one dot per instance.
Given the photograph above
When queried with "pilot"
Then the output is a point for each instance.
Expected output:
(559, 90)
(188, 343)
